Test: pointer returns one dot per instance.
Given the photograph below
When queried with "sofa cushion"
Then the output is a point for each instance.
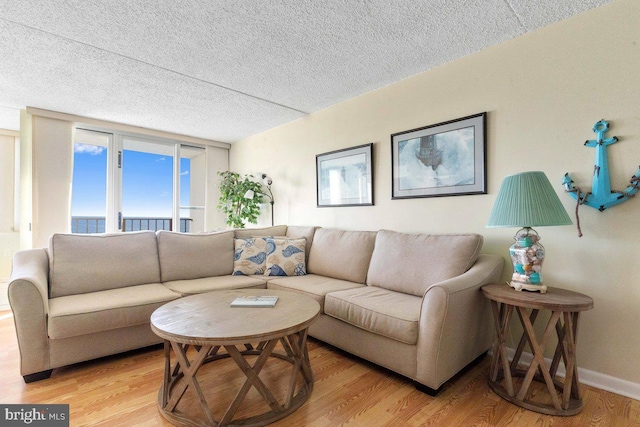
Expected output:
(285, 257)
(341, 254)
(244, 233)
(74, 315)
(82, 263)
(392, 314)
(312, 285)
(299, 231)
(250, 256)
(216, 283)
(410, 263)
(192, 256)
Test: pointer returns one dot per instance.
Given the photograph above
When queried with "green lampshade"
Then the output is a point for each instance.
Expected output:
(527, 199)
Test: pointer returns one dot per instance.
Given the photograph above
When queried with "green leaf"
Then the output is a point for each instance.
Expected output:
(233, 204)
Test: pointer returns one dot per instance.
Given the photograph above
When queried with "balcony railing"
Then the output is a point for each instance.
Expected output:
(96, 224)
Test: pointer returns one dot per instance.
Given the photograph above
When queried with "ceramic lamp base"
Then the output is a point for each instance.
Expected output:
(531, 288)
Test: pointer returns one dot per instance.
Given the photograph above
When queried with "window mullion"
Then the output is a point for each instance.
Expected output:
(176, 188)
(114, 185)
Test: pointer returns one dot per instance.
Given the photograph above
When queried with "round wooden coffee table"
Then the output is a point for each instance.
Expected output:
(216, 331)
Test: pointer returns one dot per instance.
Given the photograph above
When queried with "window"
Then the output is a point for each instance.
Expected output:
(124, 182)
(89, 187)
(147, 185)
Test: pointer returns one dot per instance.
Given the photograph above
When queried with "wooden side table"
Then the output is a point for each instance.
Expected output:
(565, 307)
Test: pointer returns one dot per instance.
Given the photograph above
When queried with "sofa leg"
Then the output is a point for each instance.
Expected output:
(37, 376)
(427, 390)
(431, 392)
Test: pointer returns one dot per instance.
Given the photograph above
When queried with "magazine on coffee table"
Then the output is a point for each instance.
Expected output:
(254, 301)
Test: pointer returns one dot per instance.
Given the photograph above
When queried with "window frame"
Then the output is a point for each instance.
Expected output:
(115, 153)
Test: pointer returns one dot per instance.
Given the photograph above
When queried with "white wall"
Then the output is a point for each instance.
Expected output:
(217, 160)
(26, 179)
(7, 178)
(543, 92)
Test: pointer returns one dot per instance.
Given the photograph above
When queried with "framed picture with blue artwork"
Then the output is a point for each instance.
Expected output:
(345, 177)
(445, 159)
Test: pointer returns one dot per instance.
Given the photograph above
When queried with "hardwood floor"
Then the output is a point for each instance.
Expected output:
(122, 391)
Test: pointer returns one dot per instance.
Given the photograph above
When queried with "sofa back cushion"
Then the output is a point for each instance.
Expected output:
(192, 256)
(341, 254)
(410, 263)
(245, 233)
(83, 263)
(299, 231)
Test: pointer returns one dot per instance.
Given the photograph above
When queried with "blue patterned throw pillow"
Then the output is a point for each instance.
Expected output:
(285, 257)
(250, 256)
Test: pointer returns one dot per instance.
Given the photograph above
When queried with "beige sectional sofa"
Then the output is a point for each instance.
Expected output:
(409, 303)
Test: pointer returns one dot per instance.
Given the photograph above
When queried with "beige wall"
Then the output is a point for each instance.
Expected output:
(46, 158)
(217, 160)
(9, 237)
(26, 179)
(53, 171)
(543, 92)
(198, 186)
(9, 244)
(7, 181)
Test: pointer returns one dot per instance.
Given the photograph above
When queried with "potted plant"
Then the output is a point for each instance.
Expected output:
(240, 199)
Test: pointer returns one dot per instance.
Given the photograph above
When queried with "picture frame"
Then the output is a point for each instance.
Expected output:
(345, 177)
(444, 159)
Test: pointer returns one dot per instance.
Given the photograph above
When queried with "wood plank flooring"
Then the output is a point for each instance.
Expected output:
(122, 390)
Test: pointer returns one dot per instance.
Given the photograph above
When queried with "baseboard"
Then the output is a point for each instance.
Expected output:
(592, 378)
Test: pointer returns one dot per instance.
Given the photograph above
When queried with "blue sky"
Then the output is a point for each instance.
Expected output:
(146, 179)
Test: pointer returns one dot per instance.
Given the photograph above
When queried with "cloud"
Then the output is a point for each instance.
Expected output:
(184, 173)
(94, 150)
(161, 159)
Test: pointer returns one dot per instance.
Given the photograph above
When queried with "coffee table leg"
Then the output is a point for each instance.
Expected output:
(182, 376)
(189, 370)
(166, 382)
(298, 343)
(252, 379)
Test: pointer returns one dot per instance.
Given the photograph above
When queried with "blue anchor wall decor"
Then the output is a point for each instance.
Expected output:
(601, 196)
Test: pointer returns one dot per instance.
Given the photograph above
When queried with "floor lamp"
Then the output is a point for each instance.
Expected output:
(267, 182)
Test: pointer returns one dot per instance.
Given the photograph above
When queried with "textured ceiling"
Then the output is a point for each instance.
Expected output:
(228, 69)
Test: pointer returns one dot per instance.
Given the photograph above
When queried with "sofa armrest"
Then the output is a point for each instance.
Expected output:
(455, 322)
(28, 297)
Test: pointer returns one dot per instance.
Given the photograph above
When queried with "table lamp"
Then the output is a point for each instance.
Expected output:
(527, 200)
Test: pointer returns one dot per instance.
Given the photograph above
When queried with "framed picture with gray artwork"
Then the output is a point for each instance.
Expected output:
(445, 159)
(345, 177)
